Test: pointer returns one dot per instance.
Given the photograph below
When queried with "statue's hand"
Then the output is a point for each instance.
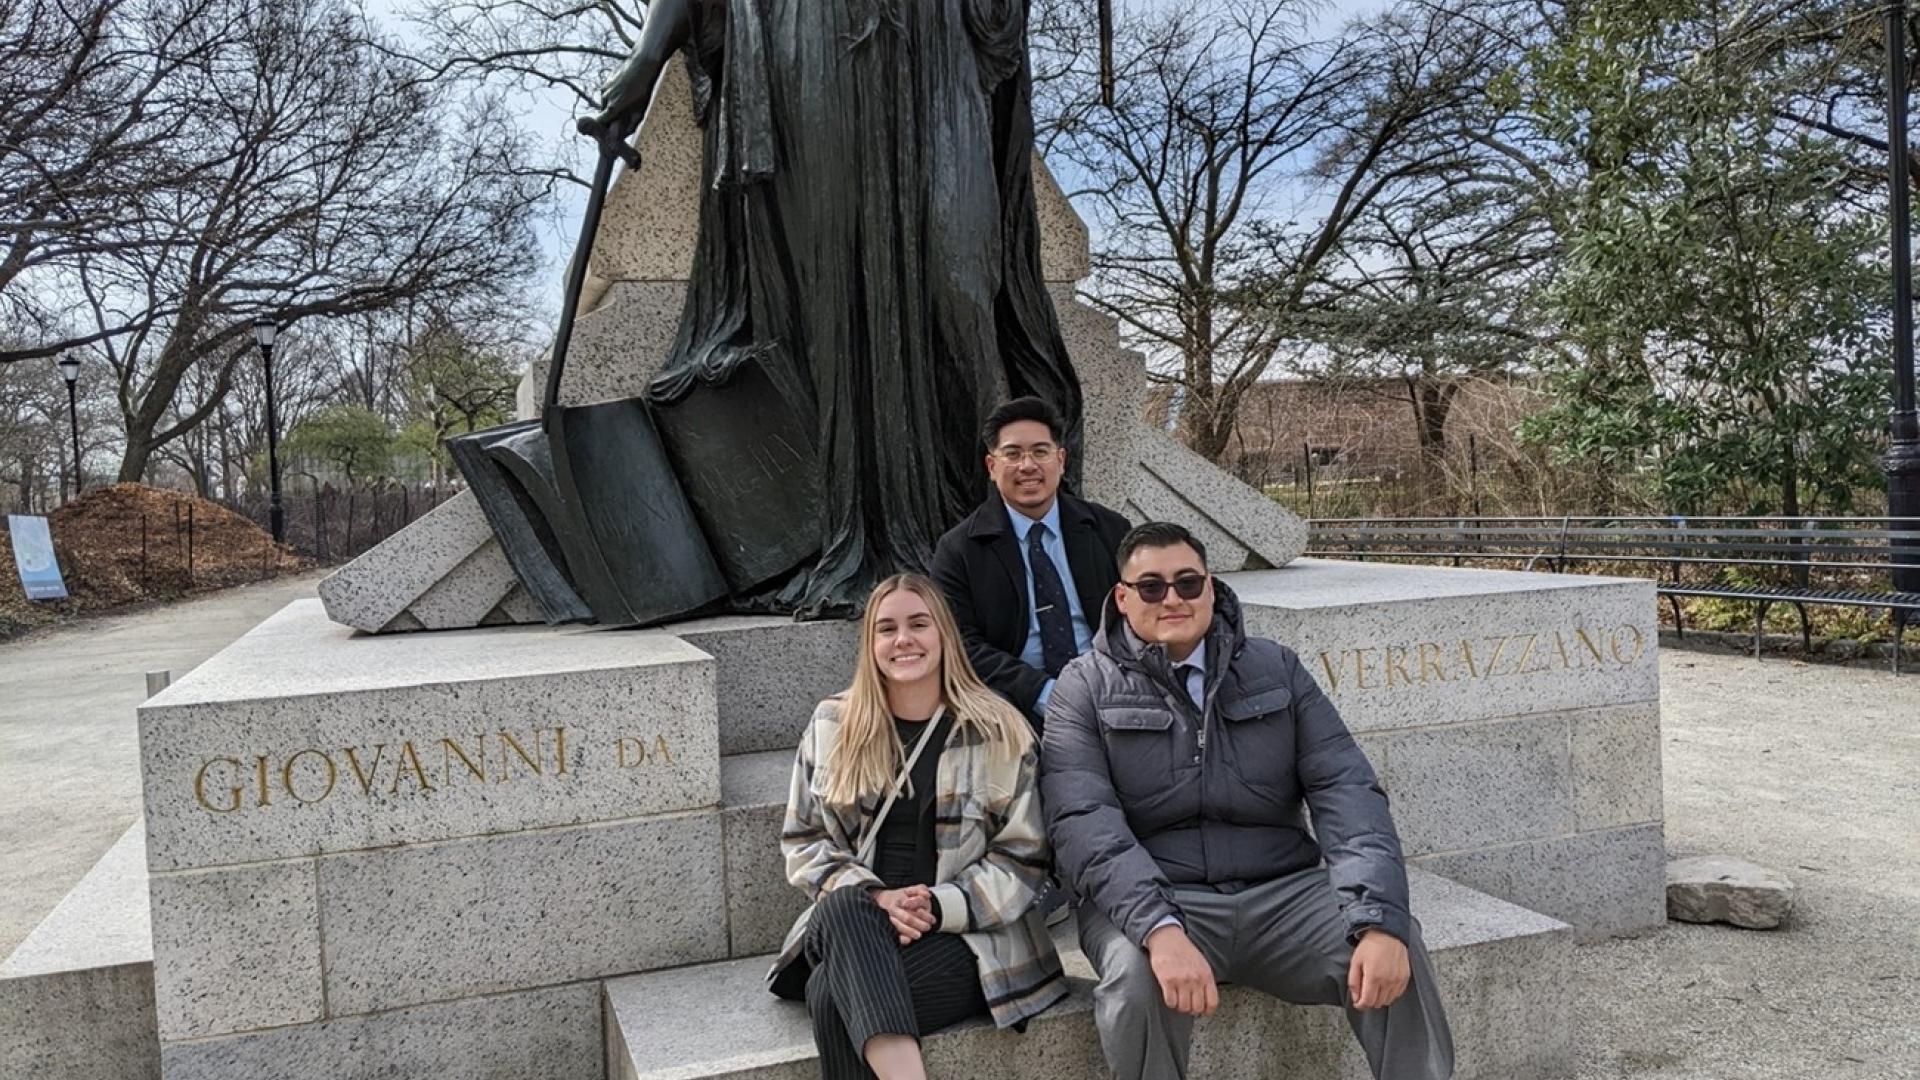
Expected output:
(668, 25)
(626, 94)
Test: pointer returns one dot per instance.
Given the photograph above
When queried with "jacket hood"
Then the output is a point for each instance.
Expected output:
(1225, 637)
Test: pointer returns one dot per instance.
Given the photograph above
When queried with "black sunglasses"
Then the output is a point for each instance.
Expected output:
(1153, 589)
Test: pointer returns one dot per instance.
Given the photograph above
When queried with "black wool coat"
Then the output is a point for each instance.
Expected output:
(980, 570)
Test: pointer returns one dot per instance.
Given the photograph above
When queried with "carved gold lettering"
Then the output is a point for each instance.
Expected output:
(1560, 644)
(260, 779)
(660, 749)
(532, 761)
(1520, 665)
(1639, 644)
(287, 771)
(560, 749)
(1592, 645)
(1332, 668)
(1430, 662)
(365, 776)
(409, 759)
(1360, 669)
(637, 757)
(1493, 664)
(449, 749)
(1397, 665)
(235, 792)
(1466, 657)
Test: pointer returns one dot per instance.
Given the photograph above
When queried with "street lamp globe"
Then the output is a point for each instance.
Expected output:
(263, 330)
(69, 366)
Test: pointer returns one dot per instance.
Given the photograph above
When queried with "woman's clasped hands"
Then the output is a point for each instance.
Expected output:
(910, 909)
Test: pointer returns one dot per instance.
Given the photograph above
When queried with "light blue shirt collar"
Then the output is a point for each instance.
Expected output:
(1022, 524)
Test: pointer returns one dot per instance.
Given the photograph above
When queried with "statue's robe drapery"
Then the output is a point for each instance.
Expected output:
(868, 239)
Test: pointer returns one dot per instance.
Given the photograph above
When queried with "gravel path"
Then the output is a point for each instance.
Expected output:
(1812, 770)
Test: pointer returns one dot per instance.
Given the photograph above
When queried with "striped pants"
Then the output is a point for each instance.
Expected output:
(865, 983)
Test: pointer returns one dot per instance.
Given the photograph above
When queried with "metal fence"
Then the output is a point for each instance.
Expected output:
(334, 525)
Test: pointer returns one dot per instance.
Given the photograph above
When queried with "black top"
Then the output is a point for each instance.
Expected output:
(905, 854)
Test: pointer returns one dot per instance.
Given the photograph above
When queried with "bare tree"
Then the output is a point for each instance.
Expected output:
(327, 181)
(1239, 154)
(91, 108)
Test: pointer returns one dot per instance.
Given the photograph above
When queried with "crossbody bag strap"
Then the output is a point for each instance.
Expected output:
(871, 834)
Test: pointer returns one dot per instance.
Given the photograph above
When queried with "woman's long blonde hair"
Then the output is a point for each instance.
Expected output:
(866, 756)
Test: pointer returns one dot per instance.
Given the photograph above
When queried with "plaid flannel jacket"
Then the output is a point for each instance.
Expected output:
(993, 856)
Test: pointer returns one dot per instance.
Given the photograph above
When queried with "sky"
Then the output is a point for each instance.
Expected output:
(548, 115)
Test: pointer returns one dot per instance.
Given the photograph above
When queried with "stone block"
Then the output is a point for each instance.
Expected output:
(88, 1024)
(1400, 646)
(236, 948)
(716, 1020)
(302, 738)
(1151, 500)
(550, 1034)
(1474, 785)
(1258, 523)
(517, 608)
(463, 598)
(1113, 383)
(1717, 888)
(433, 922)
(770, 673)
(1600, 883)
(761, 903)
(102, 922)
(1063, 236)
(372, 590)
(1616, 765)
(648, 229)
(76, 996)
(617, 348)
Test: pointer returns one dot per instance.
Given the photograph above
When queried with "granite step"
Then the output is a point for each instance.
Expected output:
(1502, 968)
(76, 996)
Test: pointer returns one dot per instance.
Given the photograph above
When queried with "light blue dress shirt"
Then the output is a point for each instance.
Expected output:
(1033, 655)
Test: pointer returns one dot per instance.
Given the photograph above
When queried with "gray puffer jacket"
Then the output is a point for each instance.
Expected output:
(1143, 793)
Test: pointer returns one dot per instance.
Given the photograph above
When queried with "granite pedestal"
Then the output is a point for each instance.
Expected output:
(426, 855)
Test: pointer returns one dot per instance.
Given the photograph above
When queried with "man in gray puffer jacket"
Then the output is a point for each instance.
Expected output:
(1181, 760)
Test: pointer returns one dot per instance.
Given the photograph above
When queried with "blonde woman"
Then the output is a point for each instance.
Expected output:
(927, 918)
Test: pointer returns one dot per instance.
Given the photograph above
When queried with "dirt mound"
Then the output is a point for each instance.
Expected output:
(129, 544)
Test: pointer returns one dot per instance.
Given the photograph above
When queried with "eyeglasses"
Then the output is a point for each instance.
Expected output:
(1038, 453)
(1153, 590)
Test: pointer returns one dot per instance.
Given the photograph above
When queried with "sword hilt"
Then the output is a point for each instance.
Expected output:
(612, 138)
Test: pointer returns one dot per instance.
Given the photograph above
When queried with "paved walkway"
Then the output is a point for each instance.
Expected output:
(1813, 770)
(69, 748)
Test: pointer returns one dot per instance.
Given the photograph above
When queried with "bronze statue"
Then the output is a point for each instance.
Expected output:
(865, 287)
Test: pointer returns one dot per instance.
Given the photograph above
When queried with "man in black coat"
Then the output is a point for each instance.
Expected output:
(1027, 572)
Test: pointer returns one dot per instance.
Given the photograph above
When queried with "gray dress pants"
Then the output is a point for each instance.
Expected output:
(1285, 937)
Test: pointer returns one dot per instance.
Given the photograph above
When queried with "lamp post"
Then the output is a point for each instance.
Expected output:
(69, 366)
(1903, 455)
(264, 329)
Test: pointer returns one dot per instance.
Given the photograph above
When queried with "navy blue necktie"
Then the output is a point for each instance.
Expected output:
(1050, 603)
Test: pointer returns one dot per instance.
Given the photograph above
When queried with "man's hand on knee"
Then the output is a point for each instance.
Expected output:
(1379, 972)
(1186, 979)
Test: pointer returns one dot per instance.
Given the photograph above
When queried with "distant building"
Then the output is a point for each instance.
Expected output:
(1357, 427)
